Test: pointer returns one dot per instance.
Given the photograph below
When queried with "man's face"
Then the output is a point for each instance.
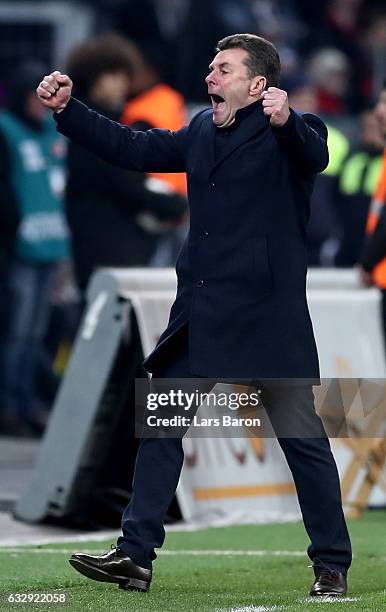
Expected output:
(230, 86)
(380, 111)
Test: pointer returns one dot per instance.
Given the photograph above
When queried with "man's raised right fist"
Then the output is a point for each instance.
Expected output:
(54, 91)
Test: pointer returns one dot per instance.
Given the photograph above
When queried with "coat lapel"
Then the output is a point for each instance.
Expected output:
(248, 128)
(207, 139)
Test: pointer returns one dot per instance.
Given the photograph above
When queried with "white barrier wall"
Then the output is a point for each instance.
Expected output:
(347, 325)
(236, 480)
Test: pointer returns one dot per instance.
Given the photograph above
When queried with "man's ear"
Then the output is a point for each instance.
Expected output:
(258, 85)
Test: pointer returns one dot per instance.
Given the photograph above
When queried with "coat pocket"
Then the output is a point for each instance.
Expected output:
(262, 274)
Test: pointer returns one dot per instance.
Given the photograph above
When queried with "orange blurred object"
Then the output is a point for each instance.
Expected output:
(161, 107)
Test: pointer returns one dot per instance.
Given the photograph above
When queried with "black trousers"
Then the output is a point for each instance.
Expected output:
(159, 463)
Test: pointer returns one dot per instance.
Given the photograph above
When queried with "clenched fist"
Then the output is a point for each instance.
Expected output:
(54, 91)
(275, 106)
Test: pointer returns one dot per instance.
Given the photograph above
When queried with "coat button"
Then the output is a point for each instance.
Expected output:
(200, 283)
(205, 234)
(212, 186)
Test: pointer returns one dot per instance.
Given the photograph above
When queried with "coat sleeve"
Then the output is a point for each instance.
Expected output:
(304, 139)
(150, 151)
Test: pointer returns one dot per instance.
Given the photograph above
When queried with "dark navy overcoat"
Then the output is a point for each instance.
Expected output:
(242, 270)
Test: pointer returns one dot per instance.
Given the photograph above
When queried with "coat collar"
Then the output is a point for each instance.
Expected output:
(249, 122)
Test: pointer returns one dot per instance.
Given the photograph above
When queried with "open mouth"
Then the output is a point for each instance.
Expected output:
(217, 100)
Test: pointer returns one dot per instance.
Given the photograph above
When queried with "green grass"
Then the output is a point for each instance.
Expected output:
(201, 583)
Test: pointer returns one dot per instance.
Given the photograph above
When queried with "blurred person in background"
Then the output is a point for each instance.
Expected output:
(372, 259)
(354, 187)
(323, 230)
(116, 217)
(158, 105)
(34, 241)
(329, 71)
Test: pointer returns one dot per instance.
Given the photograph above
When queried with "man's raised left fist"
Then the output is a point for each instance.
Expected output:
(275, 106)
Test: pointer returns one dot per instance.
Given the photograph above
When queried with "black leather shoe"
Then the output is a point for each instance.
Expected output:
(113, 566)
(329, 583)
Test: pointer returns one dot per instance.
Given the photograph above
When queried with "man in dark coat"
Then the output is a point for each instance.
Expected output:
(241, 309)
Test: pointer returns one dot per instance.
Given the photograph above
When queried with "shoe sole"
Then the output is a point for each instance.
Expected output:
(328, 594)
(125, 583)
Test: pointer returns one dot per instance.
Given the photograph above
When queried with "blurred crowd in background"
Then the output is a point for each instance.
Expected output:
(64, 213)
